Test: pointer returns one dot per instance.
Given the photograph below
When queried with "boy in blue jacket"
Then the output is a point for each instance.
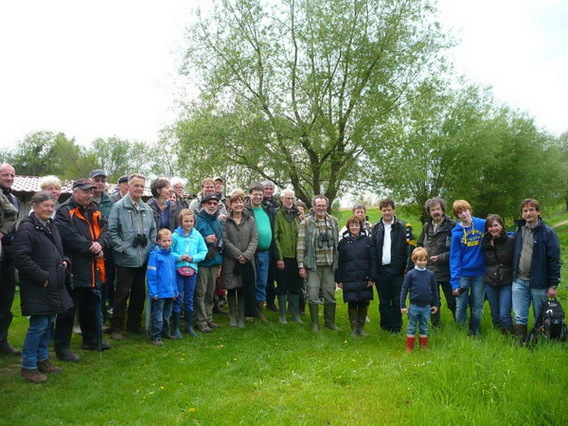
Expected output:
(467, 266)
(162, 286)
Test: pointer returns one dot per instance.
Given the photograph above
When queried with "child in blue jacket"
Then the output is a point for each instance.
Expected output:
(162, 288)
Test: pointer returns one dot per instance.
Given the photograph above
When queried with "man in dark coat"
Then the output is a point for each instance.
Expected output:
(394, 243)
(85, 239)
(435, 237)
(7, 269)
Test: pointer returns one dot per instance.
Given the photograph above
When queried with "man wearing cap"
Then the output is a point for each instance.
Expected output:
(7, 268)
(209, 226)
(121, 190)
(104, 205)
(85, 238)
(207, 187)
(219, 191)
(132, 231)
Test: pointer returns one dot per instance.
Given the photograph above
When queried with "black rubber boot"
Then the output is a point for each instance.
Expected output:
(175, 326)
(329, 316)
(189, 324)
(314, 316)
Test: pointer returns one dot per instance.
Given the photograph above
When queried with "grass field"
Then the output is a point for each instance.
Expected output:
(285, 374)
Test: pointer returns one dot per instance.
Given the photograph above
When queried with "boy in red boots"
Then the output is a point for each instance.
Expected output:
(423, 289)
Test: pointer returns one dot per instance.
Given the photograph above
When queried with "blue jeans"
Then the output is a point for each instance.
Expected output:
(523, 295)
(36, 343)
(262, 264)
(474, 296)
(500, 302)
(186, 290)
(418, 315)
(161, 311)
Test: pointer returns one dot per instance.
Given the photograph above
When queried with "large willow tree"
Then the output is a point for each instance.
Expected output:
(296, 91)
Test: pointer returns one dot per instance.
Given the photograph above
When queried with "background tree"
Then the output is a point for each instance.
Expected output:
(293, 91)
(118, 157)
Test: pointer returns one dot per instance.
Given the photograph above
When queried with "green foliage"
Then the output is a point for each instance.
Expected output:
(118, 157)
(294, 91)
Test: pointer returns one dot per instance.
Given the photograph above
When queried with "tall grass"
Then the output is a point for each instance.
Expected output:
(285, 374)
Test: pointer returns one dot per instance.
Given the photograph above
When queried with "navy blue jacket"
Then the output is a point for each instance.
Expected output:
(545, 265)
(422, 287)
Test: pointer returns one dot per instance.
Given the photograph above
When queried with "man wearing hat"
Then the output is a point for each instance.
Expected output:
(85, 238)
(209, 226)
(207, 187)
(121, 190)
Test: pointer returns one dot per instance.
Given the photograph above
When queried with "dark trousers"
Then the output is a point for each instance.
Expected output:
(87, 301)
(108, 288)
(7, 292)
(446, 288)
(270, 289)
(288, 279)
(389, 286)
(130, 290)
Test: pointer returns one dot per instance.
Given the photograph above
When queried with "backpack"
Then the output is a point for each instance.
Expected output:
(551, 323)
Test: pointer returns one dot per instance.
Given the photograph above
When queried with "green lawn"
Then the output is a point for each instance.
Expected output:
(285, 374)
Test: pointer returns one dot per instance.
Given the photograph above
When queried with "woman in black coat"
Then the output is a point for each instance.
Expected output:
(38, 255)
(356, 273)
(498, 248)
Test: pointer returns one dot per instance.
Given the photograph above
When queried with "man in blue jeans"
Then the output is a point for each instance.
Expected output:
(467, 266)
(536, 265)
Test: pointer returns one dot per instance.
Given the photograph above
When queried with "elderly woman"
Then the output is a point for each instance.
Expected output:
(52, 185)
(165, 212)
(38, 255)
(498, 248)
(356, 272)
(240, 237)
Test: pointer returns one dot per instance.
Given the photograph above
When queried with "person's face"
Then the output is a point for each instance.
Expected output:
(464, 215)
(173, 196)
(165, 242)
(123, 187)
(187, 223)
(136, 188)
(211, 206)
(530, 214)
(54, 191)
(436, 212)
(7, 175)
(44, 210)
(360, 213)
(268, 191)
(256, 198)
(238, 206)
(178, 188)
(387, 213)
(301, 209)
(421, 262)
(100, 183)
(219, 186)
(164, 192)
(320, 208)
(495, 229)
(208, 188)
(83, 196)
(354, 228)
(288, 201)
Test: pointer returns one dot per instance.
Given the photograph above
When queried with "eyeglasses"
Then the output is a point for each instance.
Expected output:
(211, 203)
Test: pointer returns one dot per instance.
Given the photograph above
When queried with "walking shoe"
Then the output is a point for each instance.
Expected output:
(93, 346)
(212, 325)
(204, 328)
(46, 366)
(7, 349)
(67, 355)
(33, 376)
(117, 335)
(157, 342)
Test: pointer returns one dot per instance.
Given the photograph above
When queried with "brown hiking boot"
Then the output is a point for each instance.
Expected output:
(46, 366)
(33, 376)
(67, 355)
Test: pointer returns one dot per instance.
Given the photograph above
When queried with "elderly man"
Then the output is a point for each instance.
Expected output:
(132, 231)
(317, 260)
(178, 186)
(286, 225)
(394, 242)
(122, 189)
(7, 269)
(85, 238)
(435, 237)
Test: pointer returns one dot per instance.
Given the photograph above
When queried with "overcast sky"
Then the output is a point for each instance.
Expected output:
(108, 68)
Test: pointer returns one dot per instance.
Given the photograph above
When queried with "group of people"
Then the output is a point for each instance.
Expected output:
(97, 254)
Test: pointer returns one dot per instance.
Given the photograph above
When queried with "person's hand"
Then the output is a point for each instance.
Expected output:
(340, 285)
(46, 283)
(433, 258)
(155, 298)
(223, 217)
(433, 309)
(100, 255)
(242, 259)
(302, 272)
(456, 292)
(280, 264)
(95, 247)
(370, 283)
(65, 264)
(403, 310)
(211, 238)
(552, 292)
(1, 235)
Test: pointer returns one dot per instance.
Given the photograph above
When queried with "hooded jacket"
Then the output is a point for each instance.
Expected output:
(192, 244)
(161, 274)
(466, 257)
